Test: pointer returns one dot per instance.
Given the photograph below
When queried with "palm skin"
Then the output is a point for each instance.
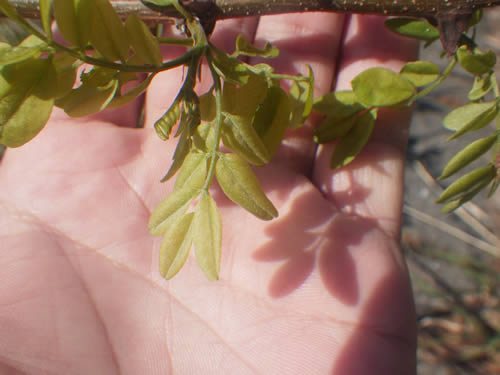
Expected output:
(320, 290)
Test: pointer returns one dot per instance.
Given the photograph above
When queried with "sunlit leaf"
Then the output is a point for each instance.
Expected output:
(468, 183)
(482, 85)
(175, 246)
(98, 76)
(470, 117)
(207, 236)
(355, 140)
(420, 73)
(12, 55)
(413, 28)
(244, 99)
(468, 155)
(243, 47)
(170, 209)
(45, 15)
(181, 150)
(104, 29)
(193, 173)
(240, 184)
(301, 100)
(340, 104)
(475, 62)
(240, 136)
(84, 101)
(204, 137)
(68, 23)
(380, 87)
(272, 118)
(165, 123)
(24, 109)
(145, 45)
(230, 69)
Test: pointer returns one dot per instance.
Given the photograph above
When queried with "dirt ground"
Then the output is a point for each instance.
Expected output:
(455, 276)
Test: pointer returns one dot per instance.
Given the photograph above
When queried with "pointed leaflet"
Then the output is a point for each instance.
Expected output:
(68, 22)
(45, 8)
(204, 137)
(380, 87)
(122, 99)
(468, 155)
(341, 104)
(272, 118)
(104, 29)
(243, 47)
(420, 73)
(467, 184)
(301, 100)
(482, 85)
(244, 99)
(207, 235)
(230, 69)
(413, 28)
(240, 136)
(175, 246)
(165, 123)
(170, 209)
(181, 150)
(145, 45)
(193, 173)
(470, 117)
(240, 184)
(12, 55)
(24, 108)
(355, 140)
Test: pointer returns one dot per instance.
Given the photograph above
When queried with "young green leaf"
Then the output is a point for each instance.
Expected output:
(244, 99)
(24, 109)
(122, 99)
(207, 107)
(482, 85)
(204, 137)
(230, 69)
(170, 209)
(468, 183)
(475, 62)
(207, 236)
(45, 15)
(145, 45)
(98, 76)
(183, 147)
(243, 47)
(332, 128)
(12, 55)
(193, 173)
(380, 87)
(84, 101)
(104, 29)
(468, 155)
(175, 246)
(340, 104)
(240, 184)
(413, 28)
(355, 140)
(165, 123)
(470, 117)
(301, 100)
(272, 118)
(68, 23)
(240, 136)
(420, 73)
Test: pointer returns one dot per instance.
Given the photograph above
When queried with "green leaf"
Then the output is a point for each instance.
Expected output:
(240, 136)
(413, 28)
(207, 236)
(170, 209)
(12, 55)
(24, 109)
(380, 87)
(240, 184)
(301, 100)
(85, 101)
(8, 10)
(244, 99)
(420, 73)
(45, 15)
(340, 104)
(204, 137)
(332, 128)
(181, 151)
(230, 69)
(68, 23)
(104, 29)
(470, 117)
(207, 107)
(98, 76)
(145, 45)
(355, 140)
(272, 118)
(165, 123)
(468, 155)
(122, 99)
(482, 85)
(468, 183)
(243, 47)
(476, 63)
(175, 246)
(193, 173)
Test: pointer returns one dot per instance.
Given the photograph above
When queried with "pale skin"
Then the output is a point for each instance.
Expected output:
(323, 289)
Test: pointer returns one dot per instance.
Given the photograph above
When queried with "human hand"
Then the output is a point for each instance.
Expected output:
(323, 289)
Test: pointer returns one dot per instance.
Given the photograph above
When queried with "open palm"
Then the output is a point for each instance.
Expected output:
(321, 290)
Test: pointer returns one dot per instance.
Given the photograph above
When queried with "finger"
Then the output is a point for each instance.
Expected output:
(165, 86)
(313, 39)
(371, 186)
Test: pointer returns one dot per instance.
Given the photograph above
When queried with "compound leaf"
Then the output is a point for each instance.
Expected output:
(207, 236)
(240, 184)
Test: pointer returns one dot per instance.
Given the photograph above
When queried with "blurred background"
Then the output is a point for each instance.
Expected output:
(454, 259)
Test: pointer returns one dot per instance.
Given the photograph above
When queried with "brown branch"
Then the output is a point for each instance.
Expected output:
(241, 8)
